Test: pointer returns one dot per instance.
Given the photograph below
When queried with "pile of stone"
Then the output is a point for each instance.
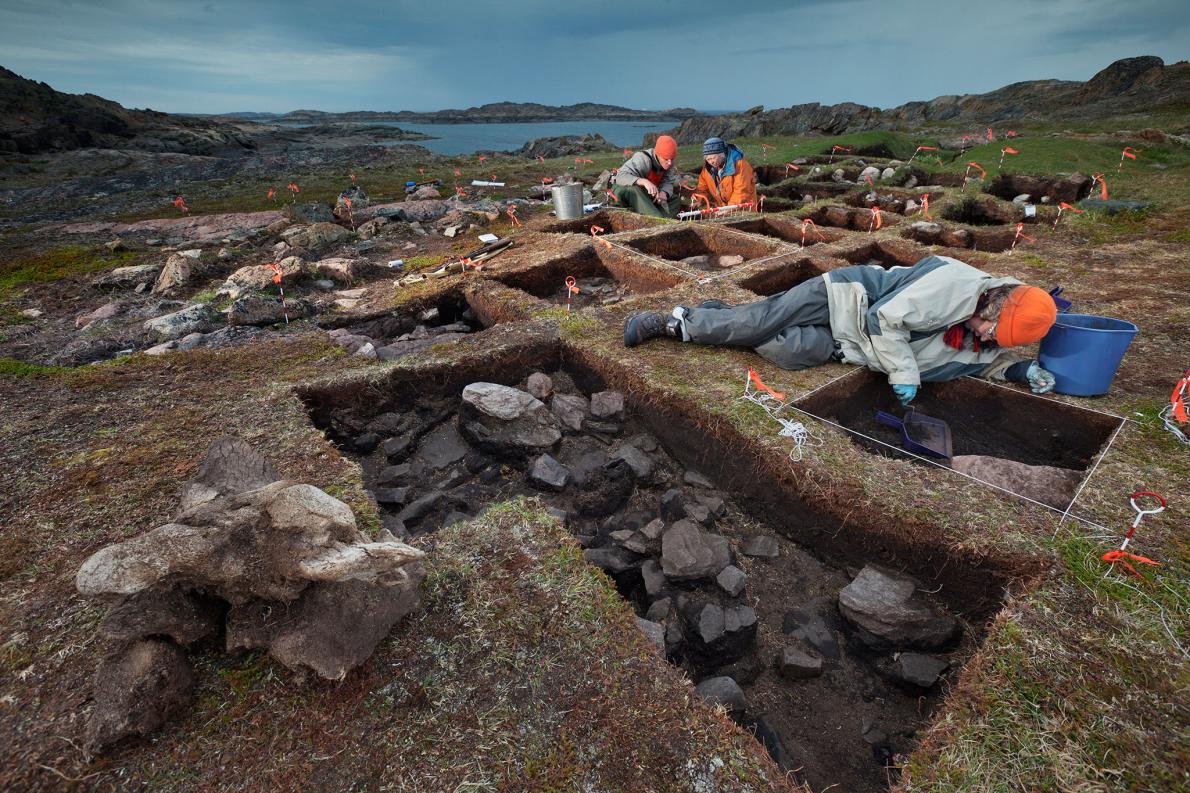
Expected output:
(265, 563)
(376, 341)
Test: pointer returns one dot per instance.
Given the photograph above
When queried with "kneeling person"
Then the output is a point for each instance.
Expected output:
(645, 183)
(727, 179)
(938, 320)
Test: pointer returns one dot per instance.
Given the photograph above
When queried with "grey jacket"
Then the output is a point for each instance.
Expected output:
(893, 320)
(638, 167)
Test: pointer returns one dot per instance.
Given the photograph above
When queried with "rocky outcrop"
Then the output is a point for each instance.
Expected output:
(1143, 83)
(281, 564)
(565, 146)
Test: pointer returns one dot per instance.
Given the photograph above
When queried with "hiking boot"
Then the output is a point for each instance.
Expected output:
(713, 303)
(649, 325)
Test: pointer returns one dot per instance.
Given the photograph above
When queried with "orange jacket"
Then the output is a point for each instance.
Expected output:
(737, 185)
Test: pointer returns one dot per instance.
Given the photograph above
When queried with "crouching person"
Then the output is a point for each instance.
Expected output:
(938, 320)
(645, 183)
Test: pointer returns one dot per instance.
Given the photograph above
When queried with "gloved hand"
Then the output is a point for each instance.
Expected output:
(905, 393)
(1040, 380)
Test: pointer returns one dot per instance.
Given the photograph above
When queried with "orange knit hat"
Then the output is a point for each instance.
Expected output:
(666, 147)
(1027, 316)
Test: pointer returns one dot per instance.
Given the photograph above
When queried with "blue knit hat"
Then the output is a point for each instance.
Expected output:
(714, 146)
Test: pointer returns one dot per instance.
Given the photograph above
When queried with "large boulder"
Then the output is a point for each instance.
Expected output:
(258, 277)
(506, 421)
(178, 273)
(310, 634)
(341, 268)
(136, 690)
(185, 617)
(690, 554)
(885, 607)
(308, 213)
(419, 211)
(129, 277)
(267, 310)
(717, 636)
(199, 318)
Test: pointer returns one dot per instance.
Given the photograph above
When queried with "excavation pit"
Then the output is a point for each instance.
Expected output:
(990, 239)
(931, 178)
(595, 282)
(1069, 189)
(981, 212)
(634, 479)
(781, 274)
(689, 245)
(854, 218)
(773, 174)
(438, 320)
(611, 221)
(787, 230)
(794, 191)
(984, 419)
(886, 254)
(888, 200)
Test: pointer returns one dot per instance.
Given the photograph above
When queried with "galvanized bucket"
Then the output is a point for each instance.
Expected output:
(568, 200)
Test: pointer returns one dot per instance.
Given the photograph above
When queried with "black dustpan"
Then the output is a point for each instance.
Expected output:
(921, 434)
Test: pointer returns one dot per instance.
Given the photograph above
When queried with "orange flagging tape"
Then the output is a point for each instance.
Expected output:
(1121, 556)
(756, 381)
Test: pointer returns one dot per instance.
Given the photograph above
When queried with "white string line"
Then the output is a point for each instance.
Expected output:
(1087, 479)
(705, 278)
(799, 432)
(1166, 416)
(1087, 521)
(854, 371)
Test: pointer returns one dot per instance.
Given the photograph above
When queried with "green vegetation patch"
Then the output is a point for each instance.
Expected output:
(67, 262)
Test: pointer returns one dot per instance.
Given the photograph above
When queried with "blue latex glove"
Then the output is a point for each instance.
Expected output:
(905, 393)
(1041, 381)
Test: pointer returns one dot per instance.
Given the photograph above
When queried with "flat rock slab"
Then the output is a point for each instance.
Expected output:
(688, 553)
(187, 227)
(442, 446)
(503, 420)
(885, 607)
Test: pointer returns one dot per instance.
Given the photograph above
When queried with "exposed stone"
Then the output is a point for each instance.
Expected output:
(308, 213)
(607, 405)
(161, 349)
(342, 269)
(549, 473)
(503, 420)
(761, 546)
(732, 580)
(919, 670)
(888, 173)
(729, 260)
(442, 446)
(886, 608)
(137, 690)
(690, 554)
(540, 386)
(797, 664)
(654, 632)
(724, 691)
(177, 274)
(653, 577)
(183, 616)
(106, 311)
(267, 310)
(199, 318)
(640, 463)
(570, 409)
(333, 626)
(259, 277)
(614, 560)
(695, 478)
(673, 505)
(768, 735)
(809, 625)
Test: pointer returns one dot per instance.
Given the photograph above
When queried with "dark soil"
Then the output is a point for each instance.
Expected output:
(548, 281)
(984, 419)
(795, 190)
(1008, 186)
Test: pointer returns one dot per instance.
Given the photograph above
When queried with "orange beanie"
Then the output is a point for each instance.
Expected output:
(666, 147)
(1027, 316)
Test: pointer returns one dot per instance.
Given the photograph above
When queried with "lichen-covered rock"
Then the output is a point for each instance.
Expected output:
(199, 318)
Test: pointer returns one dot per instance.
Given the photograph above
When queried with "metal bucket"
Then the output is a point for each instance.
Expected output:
(568, 200)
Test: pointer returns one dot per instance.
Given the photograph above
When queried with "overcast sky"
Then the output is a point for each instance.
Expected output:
(220, 56)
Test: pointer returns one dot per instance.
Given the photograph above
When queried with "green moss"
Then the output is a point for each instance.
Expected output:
(54, 265)
(11, 367)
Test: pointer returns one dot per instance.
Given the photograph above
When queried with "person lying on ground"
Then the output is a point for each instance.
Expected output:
(726, 178)
(938, 320)
(645, 183)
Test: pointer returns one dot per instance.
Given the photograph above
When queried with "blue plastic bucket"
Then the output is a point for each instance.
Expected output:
(1084, 351)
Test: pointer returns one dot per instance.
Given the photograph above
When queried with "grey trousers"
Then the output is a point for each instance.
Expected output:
(790, 329)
